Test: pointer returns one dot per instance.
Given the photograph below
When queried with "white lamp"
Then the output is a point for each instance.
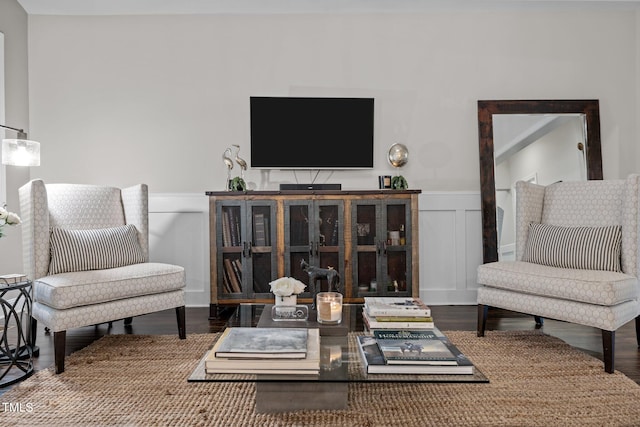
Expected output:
(21, 151)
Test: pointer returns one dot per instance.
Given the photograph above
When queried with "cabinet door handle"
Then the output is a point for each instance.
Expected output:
(384, 248)
(246, 251)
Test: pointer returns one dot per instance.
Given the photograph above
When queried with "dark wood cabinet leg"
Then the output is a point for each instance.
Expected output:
(59, 342)
(483, 313)
(180, 314)
(214, 311)
(608, 347)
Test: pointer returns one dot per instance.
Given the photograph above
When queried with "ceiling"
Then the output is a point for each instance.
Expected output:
(167, 7)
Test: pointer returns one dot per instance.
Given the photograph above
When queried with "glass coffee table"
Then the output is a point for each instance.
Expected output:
(340, 365)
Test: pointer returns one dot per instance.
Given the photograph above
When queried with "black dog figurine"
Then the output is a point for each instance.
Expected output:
(315, 273)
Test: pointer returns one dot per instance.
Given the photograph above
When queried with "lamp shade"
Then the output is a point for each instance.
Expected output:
(20, 152)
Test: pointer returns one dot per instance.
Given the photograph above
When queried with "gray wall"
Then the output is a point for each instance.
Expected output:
(157, 98)
(123, 99)
(13, 24)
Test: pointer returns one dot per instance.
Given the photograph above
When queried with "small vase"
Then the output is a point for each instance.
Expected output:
(286, 306)
(291, 300)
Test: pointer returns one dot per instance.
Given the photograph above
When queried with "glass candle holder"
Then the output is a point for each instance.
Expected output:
(329, 305)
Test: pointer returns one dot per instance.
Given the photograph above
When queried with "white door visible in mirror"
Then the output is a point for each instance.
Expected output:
(539, 148)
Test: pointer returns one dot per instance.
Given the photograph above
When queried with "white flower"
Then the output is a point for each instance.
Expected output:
(286, 286)
(12, 219)
(7, 218)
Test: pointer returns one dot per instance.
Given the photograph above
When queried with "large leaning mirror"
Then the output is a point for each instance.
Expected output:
(541, 141)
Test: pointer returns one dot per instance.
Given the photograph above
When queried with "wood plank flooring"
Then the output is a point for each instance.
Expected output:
(627, 357)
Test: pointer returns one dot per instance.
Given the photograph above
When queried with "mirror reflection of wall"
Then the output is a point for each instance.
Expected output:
(538, 148)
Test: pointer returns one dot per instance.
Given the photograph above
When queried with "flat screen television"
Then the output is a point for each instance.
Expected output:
(311, 133)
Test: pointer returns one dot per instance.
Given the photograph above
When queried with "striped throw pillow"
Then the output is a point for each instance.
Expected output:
(586, 248)
(97, 249)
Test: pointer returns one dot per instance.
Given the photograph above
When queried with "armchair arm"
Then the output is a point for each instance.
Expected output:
(631, 226)
(529, 202)
(135, 201)
(34, 214)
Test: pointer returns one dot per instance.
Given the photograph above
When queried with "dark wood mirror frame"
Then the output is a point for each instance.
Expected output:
(486, 110)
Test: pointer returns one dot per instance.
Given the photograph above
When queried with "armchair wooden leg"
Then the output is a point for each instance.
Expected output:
(128, 321)
(59, 341)
(608, 347)
(539, 320)
(483, 313)
(180, 314)
(638, 331)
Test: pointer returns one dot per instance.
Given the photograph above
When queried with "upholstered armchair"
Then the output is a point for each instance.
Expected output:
(577, 258)
(86, 249)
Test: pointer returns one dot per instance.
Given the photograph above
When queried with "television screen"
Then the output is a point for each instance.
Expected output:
(311, 133)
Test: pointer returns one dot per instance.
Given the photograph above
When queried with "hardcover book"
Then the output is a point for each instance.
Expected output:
(390, 323)
(396, 306)
(307, 365)
(374, 363)
(413, 347)
(232, 278)
(263, 343)
(259, 230)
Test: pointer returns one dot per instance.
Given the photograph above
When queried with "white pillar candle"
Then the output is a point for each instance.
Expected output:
(329, 305)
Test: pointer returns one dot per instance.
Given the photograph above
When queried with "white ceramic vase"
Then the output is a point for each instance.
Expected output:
(291, 300)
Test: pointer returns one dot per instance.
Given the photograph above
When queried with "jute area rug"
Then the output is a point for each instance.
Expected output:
(129, 380)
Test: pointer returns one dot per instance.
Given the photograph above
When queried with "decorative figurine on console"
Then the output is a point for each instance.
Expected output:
(330, 274)
(228, 161)
(237, 183)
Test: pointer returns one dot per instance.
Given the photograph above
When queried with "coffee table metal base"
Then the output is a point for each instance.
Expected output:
(274, 397)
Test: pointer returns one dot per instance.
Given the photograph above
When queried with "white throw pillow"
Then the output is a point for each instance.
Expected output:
(96, 249)
(585, 248)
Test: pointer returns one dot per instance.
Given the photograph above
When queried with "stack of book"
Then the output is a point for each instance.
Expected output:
(412, 352)
(10, 279)
(243, 350)
(396, 313)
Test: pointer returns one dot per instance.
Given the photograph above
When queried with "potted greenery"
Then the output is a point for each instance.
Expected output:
(237, 184)
(399, 182)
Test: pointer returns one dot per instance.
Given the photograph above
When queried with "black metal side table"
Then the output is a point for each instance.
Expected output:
(17, 339)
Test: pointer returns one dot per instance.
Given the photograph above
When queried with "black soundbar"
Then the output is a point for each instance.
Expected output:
(310, 186)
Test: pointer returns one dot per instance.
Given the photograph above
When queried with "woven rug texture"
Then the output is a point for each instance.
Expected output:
(133, 380)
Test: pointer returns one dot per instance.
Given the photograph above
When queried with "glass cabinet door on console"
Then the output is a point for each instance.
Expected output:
(368, 236)
(381, 256)
(247, 262)
(314, 234)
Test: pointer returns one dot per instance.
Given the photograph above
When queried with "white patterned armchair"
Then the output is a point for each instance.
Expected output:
(86, 249)
(577, 258)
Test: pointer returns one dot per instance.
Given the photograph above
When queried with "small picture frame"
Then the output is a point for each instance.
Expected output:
(384, 181)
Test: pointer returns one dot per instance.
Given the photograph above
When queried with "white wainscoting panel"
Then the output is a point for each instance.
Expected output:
(450, 243)
(450, 247)
(179, 234)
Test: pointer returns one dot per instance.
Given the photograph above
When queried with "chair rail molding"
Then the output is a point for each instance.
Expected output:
(450, 247)
(179, 234)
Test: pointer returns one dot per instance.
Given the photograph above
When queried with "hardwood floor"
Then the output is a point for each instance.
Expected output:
(627, 357)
